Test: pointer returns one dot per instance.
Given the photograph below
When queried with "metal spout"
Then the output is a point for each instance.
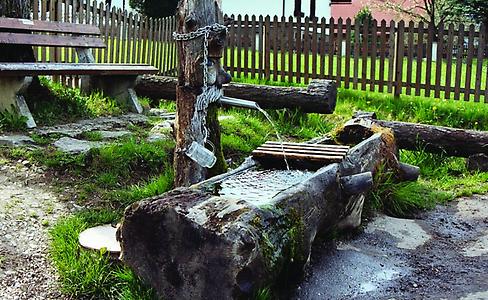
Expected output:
(224, 100)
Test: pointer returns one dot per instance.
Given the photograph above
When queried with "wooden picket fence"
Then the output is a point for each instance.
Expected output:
(447, 62)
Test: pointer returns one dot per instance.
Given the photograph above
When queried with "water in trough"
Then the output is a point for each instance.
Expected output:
(260, 186)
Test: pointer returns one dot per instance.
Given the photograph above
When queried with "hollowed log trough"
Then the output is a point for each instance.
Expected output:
(193, 244)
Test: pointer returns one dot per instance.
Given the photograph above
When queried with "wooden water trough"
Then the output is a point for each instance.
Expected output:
(229, 236)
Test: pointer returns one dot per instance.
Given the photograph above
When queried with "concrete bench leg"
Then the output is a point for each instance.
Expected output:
(121, 88)
(12, 99)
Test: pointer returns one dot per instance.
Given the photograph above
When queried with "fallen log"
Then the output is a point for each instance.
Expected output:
(319, 97)
(412, 136)
(196, 243)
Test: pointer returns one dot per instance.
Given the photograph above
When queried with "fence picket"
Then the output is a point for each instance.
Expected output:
(275, 34)
(246, 40)
(314, 47)
(459, 61)
(331, 52)
(410, 51)
(439, 59)
(347, 68)
(238, 45)
(449, 48)
(306, 50)
(420, 58)
(298, 38)
(479, 64)
(283, 49)
(323, 49)
(290, 49)
(374, 34)
(339, 52)
(356, 54)
(381, 85)
(469, 63)
(399, 59)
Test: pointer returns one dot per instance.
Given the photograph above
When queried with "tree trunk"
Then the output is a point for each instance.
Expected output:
(319, 97)
(192, 15)
(411, 136)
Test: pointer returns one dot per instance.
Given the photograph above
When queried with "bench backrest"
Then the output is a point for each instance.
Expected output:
(27, 32)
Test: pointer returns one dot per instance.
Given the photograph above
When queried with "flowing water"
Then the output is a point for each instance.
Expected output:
(260, 186)
(277, 134)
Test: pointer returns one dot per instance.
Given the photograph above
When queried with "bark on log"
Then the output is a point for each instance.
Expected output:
(191, 244)
(411, 136)
(319, 97)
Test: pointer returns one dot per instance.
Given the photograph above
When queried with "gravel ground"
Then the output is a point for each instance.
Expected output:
(27, 209)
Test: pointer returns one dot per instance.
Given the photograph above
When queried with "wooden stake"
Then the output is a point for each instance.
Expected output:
(192, 15)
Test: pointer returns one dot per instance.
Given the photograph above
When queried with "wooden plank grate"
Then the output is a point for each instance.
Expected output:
(300, 151)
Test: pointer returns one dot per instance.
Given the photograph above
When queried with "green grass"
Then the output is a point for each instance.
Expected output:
(89, 274)
(110, 178)
(55, 103)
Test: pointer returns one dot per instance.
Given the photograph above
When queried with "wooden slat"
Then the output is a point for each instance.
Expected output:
(450, 47)
(283, 49)
(306, 50)
(247, 39)
(459, 62)
(323, 45)
(261, 47)
(339, 51)
(356, 55)
(35, 69)
(391, 57)
(365, 52)
(372, 76)
(275, 35)
(399, 59)
(238, 41)
(325, 158)
(314, 48)
(330, 73)
(298, 49)
(50, 40)
(123, 38)
(324, 146)
(410, 51)
(382, 70)
(303, 150)
(439, 60)
(348, 54)
(290, 47)
(232, 45)
(469, 63)
(428, 56)
(420, 58)
(253, 46)
(44, 17)
(267, 48)
(47, 26)
(479, 64)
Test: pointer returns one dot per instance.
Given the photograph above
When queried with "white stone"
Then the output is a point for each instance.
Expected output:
(74, 146)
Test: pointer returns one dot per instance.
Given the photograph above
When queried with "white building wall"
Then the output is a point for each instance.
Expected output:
(273, 7)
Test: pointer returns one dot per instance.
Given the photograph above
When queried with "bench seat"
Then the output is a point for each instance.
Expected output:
(37, 69)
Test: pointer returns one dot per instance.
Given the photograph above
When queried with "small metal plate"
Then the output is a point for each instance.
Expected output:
(100, 237)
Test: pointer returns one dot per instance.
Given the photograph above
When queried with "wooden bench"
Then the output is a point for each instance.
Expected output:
(114, 80)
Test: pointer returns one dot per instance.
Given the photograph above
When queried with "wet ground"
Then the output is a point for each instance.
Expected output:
(441, 255)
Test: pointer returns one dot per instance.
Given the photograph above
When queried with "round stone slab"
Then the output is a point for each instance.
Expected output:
(100, 237)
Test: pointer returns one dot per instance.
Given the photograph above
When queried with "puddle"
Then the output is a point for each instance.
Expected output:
(260, 186)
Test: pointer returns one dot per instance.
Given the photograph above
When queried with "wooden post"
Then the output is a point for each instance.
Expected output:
(191, 16)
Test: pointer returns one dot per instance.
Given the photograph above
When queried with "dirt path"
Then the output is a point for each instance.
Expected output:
(27, 208)
(442, 255)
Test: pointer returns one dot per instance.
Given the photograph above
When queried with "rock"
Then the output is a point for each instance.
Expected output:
(74, 146)
(98, 124)
(161, 132)
(112, 135)
(477, 162)
(16, 140)
(162, 113)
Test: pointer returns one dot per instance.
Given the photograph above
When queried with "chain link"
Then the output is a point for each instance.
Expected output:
(209, 94)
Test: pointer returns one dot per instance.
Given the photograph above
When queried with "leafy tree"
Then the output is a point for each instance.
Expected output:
(155, 8)
(475, 10)
(427, 11)
(364, 16)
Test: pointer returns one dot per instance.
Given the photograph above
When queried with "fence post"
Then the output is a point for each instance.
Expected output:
(399, 51)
